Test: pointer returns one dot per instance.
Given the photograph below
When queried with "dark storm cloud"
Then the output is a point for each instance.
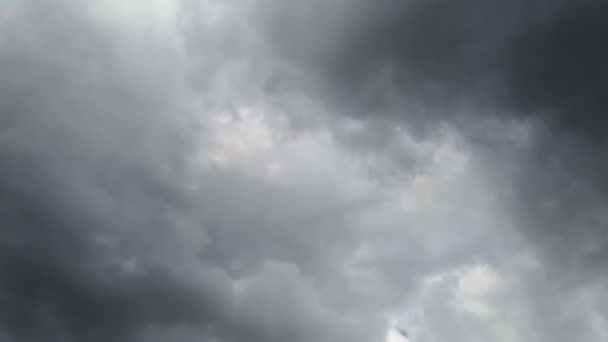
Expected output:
(540, 62)
(483, 66)
(545, 54)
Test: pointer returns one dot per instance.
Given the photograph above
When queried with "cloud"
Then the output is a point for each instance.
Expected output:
(118, 221)
(522, 83)
(260, 170)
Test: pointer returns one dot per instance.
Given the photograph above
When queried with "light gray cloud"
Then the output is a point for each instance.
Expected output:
(111, 227)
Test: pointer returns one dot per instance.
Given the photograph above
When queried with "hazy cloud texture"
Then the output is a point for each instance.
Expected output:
(265, 170)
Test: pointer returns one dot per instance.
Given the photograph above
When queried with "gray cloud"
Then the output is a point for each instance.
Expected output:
(251, 170)
(545, 55)
(111, 230)
(484, 68)
(87, 159)
(539, 63)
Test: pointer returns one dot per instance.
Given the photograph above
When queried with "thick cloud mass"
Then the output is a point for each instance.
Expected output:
(483, 66)
(526, 57)
(265, 170)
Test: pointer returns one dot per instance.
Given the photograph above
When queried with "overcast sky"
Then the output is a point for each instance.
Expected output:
(303, 170)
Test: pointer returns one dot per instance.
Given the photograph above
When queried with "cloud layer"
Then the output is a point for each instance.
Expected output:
(265, 170)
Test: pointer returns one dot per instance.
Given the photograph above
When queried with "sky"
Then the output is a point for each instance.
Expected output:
(321, 170)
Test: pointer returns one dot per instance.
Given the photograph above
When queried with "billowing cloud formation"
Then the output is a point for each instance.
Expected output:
(264, 170)
(482, 67)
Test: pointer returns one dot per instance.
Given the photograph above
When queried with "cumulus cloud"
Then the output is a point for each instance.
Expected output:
(264, 170)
